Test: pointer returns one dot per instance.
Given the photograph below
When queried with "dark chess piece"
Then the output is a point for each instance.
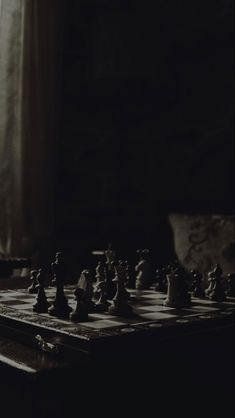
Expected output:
(33, 277)
(85, 282)
(217, 294)
(218, 270)
(144, 276)
(60, 307)
(175, 265)
(198, 289)
(125, 277)
(110, 273)
(120, 305)
(80, 313)
(161, 281)
(58, 269)
(41, 304)
(102, 303)
(231, 285)
(181, 272)
(177, 294)
(110, 255)
(192, 278)
(130, 276)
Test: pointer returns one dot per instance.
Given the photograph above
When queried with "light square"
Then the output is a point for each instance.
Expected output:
(155, 308)
(157, 315)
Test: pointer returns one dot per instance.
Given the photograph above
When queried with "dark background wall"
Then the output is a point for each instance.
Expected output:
(146, 119)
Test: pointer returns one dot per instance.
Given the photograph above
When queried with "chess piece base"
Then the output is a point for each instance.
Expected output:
(101, 307)
(176, 304)
(40, 308)
(120, 310)
(32, 290)
(217, 298)
(78, 316)
(199, 294)
(60, 312)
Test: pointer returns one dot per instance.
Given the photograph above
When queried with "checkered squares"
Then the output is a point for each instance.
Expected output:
(148, 309)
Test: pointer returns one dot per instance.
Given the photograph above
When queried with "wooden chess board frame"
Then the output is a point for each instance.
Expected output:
(104, 331)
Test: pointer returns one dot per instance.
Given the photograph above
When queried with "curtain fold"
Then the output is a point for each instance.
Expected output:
(12, 14)
(29, 87)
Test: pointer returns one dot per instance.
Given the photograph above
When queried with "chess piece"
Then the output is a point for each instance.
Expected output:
(125, 277)
(58, 269)
(143, 277)
(110, 274)
(192, 279)
(217, 294)
(33, 277)
(41, 304)
(160, 276)
(100, 272)
(130, 276)
(181, 272)
(80, 313)
(120, 305)
(177, 294)
(161, 281)
(60, 307)
(110, 256)
(102, 303)
(85, 282)
(210, 279)
(231, 285)
(198, 290)
(100, 278)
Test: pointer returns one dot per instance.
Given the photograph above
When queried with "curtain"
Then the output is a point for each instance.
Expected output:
(29, 95)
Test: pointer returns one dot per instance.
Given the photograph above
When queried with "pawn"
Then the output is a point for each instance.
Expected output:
(231, 285)
(80, 313)
(41, 304)
(198, 290)
(33, 277)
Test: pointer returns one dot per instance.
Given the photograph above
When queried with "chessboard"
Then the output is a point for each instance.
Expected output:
(103, 329)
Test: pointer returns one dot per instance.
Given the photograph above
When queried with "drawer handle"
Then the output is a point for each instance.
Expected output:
(46, 346)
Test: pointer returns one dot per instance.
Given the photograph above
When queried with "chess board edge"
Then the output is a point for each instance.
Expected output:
(62, 336)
